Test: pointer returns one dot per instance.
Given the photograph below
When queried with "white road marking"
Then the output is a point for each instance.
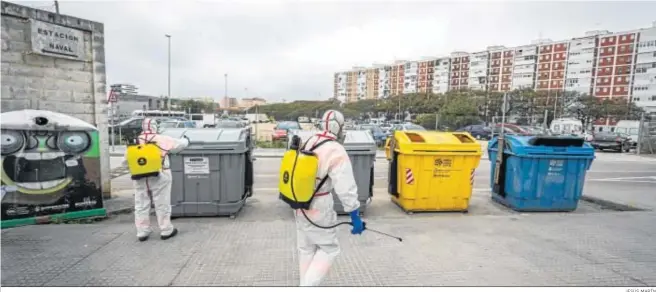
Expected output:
(643, 179)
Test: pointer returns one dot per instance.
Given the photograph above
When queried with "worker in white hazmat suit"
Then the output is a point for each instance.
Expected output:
(155, 189)
(317, 248)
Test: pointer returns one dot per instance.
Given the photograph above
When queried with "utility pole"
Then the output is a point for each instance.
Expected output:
(168, 106)
(555, 106)
(225, 95)
(399, 108)
(57, 7)
(640, 133)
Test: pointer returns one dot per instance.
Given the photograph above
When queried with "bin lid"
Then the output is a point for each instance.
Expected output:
(359, 141)
(212, 138)
(544, 145)
(430, 141)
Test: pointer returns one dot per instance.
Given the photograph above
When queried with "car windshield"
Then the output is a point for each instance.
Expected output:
(375, 129)
(168, 124)
(607, 134)
(228, 125)
(288, 126)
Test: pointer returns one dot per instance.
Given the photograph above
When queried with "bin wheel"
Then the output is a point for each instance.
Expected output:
(233, 216)
(465, 211)
(409, 212)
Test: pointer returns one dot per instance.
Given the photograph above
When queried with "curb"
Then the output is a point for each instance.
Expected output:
(610, 204)
(120, 211)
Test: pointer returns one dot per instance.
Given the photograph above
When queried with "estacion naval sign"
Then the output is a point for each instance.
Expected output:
(57, 41)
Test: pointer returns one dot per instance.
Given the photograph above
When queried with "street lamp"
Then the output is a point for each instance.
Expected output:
(168, 106)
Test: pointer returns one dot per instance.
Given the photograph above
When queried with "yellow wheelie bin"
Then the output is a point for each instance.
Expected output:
(432, 171)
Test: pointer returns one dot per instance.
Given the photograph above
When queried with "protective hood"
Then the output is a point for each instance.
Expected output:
(333, 122)
(149, 126)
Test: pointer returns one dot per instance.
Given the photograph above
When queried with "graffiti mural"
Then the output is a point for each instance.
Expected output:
(50, 165)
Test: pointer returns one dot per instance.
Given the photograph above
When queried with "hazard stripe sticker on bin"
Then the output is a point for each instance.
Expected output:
(471, 177)
(409, 178)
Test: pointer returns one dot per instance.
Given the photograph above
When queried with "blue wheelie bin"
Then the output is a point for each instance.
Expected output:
(539, 173)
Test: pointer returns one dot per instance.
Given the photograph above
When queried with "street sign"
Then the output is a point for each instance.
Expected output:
(112, 98)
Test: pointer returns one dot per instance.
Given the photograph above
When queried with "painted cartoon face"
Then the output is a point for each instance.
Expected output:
(39, 159)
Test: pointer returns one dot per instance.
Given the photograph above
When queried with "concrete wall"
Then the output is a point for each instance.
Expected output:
(32, 81)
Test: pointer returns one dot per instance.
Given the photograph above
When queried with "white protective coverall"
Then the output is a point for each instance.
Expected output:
(317, 248)
(158, 188)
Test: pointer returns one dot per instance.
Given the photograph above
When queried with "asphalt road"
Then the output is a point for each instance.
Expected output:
(489, 246)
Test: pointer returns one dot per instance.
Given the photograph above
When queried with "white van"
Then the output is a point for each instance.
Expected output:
(630, 128)
(567, 126)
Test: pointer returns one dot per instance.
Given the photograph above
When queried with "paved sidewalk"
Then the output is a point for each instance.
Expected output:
(258, 250)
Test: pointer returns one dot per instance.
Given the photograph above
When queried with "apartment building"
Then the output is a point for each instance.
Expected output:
(615, 61)
(410, 77)
(581, 63)
(371, 86)
(384, 81)
(351, 86)
(501, 66)
(644, 79)
(618, 66)
(361, 84)
(425, 77)
(397, 79)
(459, 70)
(524, 65)
(339, 89)
(552, 63)
(478, 70)
(441, 77)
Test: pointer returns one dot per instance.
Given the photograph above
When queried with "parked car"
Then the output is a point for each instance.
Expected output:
(620, 142)
(282, 129)
(517, 129)
(229, 124)
(378, 133)
(165, 124)
(405, 127)
(129, 129)
(386, 127)
(480, 132)
(496, 129)
(533, 130)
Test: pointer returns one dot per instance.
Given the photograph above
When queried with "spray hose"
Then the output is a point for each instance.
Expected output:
(364, 225)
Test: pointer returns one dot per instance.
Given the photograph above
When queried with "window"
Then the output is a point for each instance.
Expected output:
(598, 89)
(623, 38)
(631, 37)
(605, 90)
(617, 89)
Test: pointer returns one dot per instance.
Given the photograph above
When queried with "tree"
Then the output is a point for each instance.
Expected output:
(459, 112)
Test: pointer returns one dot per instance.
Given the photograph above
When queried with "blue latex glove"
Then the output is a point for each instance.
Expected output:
(356, 221)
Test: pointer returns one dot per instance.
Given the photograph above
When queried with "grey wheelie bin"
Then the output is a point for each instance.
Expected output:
(361, 148)
(214, 175)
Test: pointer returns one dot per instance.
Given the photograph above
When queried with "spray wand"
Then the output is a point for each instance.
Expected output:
(295, 144)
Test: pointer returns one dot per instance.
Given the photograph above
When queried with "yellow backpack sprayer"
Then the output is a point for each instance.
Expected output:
(298, 172)
(144, 160)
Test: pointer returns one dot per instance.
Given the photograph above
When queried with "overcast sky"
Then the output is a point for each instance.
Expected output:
(290, 49)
